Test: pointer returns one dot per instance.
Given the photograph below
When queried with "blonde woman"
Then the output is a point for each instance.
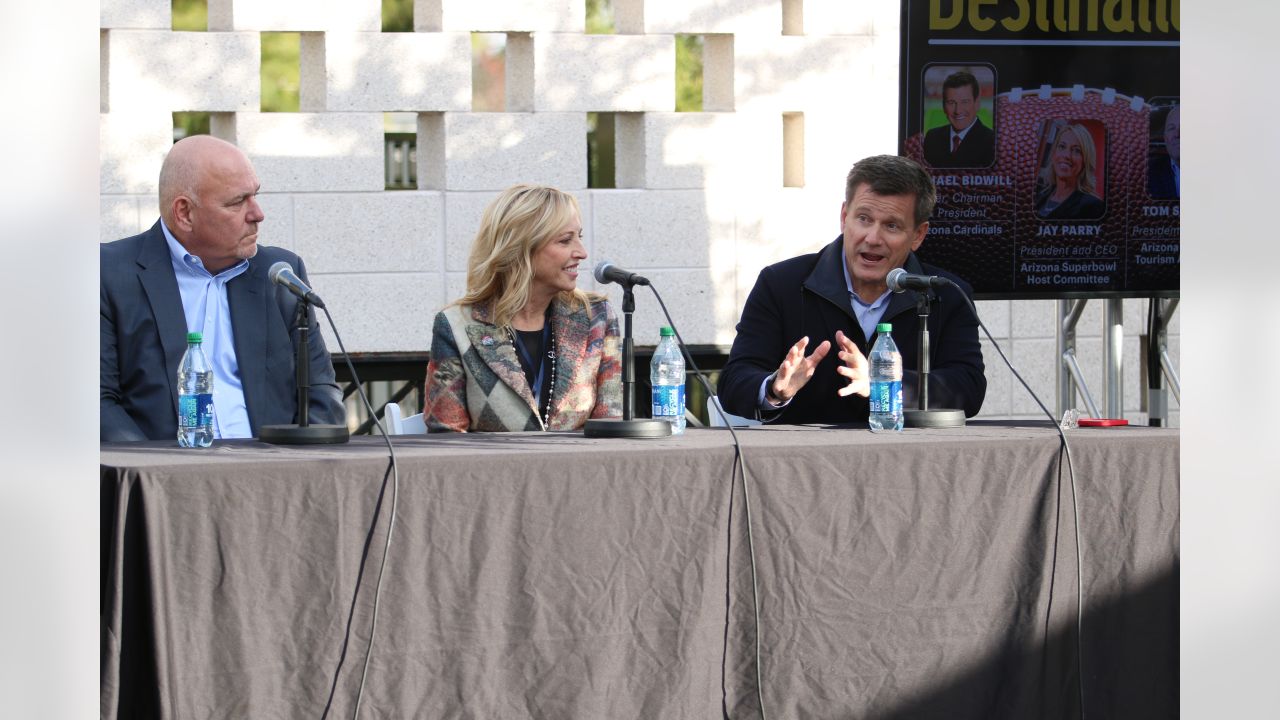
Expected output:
(524, 349)
(1066, 189)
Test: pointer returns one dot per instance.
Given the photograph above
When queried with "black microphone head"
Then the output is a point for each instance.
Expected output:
(600, 273)
(894, 279)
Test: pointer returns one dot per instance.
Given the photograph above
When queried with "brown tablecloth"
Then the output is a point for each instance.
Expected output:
(921, 575)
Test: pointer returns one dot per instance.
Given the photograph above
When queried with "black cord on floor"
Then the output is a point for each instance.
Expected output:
(386, 548)
(1064, 449)
(740, 461)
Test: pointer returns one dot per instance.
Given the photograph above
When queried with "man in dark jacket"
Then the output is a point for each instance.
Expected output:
(200, 269)
(837, 296)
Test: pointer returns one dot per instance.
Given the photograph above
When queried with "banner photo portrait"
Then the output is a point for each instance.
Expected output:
(1051, 130)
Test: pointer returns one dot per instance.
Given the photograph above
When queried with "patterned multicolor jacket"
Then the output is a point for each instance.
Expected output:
(474, 380)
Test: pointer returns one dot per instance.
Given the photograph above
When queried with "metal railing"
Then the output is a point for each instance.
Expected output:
(402, 161)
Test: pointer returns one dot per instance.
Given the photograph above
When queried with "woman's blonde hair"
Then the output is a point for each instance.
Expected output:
(1085, 181)
(516, 225)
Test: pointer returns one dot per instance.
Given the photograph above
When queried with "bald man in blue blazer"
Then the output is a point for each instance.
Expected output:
(200, 269)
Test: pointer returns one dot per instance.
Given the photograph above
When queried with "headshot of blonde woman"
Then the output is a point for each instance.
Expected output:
(1067, 185)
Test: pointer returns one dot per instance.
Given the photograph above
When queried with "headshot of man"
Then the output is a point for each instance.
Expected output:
(964, 141)
(836, 297)
(200, 269)
(1164, 171)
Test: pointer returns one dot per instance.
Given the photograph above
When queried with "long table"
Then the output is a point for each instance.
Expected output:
(927, 574)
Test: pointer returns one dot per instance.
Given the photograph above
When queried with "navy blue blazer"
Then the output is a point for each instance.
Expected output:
(144, 333)
(807, 295)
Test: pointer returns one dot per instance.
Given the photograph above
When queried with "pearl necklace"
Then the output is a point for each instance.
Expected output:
(551, 389)
(551, 355)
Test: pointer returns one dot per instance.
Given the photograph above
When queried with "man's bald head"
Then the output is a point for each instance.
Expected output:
(208, 199)
(188, 161)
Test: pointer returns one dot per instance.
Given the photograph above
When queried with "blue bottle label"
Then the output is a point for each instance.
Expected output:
(668, 400)
(195, 410)
(886, 397)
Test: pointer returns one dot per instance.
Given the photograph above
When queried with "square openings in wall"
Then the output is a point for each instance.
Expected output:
(397, 15)
(600, 18)
(792, 17)
(400, 139)
(488, 72)
(601, 150)
(186, 124)
(190, 15)
(704, 73)
(218, 124)
(280, 73)
(689, 73)
(793, 149)
(717, 72)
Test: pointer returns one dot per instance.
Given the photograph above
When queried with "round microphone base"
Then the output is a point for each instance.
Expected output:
(309, 435)
(945, 418)
(643, 428)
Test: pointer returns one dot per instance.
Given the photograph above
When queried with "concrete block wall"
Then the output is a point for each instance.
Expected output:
(560, 16)
(703, 200)
(164, 70)
(376, 71)
(296, 15)
(136, 14)
(604, 73)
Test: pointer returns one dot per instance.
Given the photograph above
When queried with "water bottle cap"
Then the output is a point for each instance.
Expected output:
(666, 331)
(194, 338)
(884, 327)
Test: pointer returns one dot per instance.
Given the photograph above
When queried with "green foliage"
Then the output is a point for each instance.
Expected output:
(600, 17)
(186, 124)
(191, 15)
(280, 59)
(688, 73)
(600, 150)
(397, 15)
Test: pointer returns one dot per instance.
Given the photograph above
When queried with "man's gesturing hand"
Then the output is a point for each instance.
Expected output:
(795, 370)
(855, 368)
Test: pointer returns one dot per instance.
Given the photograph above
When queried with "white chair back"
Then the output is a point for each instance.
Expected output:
(397, 424)
(714, 408)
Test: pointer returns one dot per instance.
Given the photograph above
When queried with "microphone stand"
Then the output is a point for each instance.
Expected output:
(304, 433)
(924, 417)
(628, 426)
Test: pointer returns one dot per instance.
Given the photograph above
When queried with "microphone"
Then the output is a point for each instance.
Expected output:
(284, 276)
(899, 280)
(607, 272)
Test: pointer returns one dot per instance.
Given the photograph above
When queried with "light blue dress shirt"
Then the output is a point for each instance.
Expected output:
(868, 315)
(204, 302)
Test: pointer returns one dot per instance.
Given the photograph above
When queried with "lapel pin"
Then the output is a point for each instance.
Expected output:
(487, 340)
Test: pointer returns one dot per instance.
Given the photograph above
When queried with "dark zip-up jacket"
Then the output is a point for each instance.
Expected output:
(807, 295)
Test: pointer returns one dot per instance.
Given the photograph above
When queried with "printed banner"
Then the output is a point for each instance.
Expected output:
(1051, 129)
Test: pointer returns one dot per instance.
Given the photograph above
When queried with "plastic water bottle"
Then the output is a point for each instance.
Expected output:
(666, 375)
(886, 382)
(195, 396)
